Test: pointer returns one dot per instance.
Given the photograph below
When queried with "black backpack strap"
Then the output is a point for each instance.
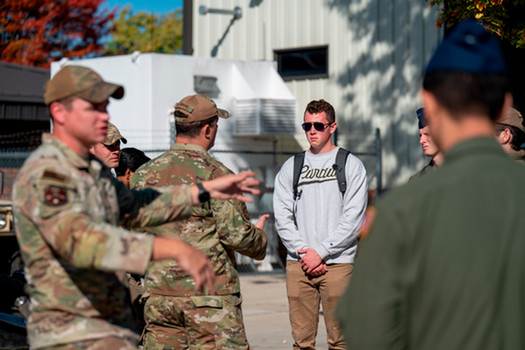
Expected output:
(298, 161)
(339, 167)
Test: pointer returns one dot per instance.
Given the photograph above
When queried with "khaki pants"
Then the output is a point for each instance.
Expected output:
(304, 296)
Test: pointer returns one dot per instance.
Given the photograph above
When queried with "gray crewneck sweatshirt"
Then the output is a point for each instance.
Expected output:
(326, 222)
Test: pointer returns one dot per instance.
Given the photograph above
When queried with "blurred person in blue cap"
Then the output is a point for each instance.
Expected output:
(510, 132)
(430, 149)
(443, 266)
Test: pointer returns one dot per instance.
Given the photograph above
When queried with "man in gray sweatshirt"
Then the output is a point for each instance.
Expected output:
(319, 228)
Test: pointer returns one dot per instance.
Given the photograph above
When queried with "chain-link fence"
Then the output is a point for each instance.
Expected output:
(265, 164)
(10, 162)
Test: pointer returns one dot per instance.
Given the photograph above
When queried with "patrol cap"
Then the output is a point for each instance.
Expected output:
(513, 118)
(113, 135)
(197, 108)
(469, 48)
(421, 120)
(82, 82)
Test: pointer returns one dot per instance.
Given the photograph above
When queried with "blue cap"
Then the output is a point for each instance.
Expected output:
(469, 48)
(422, 121)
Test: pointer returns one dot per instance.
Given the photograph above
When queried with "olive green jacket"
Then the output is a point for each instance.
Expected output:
(431, 166)
(444, 264)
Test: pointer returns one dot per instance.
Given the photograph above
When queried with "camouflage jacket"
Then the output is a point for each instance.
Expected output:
(66, 215)
(216, 227)
(518, 156)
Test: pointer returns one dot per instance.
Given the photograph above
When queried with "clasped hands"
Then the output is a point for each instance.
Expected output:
(312, 263)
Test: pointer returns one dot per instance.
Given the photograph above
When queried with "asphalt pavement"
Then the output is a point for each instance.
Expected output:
(265, 310)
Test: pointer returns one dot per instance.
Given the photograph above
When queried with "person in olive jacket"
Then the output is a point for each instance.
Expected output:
(443, 266)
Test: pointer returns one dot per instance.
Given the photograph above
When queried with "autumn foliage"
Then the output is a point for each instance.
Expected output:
(506, 18)
(145, 32)
(37, 32)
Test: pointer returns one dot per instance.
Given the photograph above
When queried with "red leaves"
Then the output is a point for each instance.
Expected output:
(37, 32)
(505, 18)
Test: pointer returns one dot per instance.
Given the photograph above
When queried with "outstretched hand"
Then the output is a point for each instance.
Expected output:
(260, 223)
(233, 186)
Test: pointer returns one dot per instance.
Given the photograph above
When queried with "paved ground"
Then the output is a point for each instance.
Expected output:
(265, 310)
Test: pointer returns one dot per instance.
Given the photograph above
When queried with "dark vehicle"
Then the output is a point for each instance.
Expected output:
(14, 304)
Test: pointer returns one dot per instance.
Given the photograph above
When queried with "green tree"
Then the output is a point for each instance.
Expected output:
(506, 18)
(36, 33)
(145, 32)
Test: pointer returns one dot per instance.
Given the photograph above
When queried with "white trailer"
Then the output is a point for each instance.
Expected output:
(261, 107)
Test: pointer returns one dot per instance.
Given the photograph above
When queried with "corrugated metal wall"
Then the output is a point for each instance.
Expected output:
(377, 51)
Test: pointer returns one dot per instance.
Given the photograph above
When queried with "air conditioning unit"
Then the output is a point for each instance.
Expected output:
(264, 116)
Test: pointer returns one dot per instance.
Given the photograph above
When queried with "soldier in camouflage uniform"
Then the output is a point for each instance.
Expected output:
(108, 151)
(177, 315)
(67, 214)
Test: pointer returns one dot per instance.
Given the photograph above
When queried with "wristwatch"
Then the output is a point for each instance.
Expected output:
(204, 195)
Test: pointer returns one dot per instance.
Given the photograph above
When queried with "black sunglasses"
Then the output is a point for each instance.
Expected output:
(317, 125)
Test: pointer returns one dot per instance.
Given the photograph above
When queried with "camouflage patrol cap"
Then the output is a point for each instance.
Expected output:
(512, 118)
(82, 82)
(197, 108)
(113, 135)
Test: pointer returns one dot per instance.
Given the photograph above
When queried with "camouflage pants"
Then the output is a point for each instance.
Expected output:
(113, 343)
(195, 322)
(136, 289)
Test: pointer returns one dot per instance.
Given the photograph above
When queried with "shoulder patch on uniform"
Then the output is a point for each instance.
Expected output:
(49, 174)
(55, 195)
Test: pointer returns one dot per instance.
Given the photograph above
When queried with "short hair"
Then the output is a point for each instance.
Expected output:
(318, 106)
(66, 101)
(191, 129)
(465, 93)
(518, 136)
(130, 158)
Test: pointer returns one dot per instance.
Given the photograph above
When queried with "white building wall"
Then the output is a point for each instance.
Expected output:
(377, 52)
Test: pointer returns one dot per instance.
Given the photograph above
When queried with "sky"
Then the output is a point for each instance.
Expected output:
(153, 6)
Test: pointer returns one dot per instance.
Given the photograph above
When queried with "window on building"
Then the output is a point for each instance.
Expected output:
(302, 63)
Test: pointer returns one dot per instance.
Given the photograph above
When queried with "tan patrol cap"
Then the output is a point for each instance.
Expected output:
(512, 118)
(113, 135)
(82, 82)
(197, 108)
